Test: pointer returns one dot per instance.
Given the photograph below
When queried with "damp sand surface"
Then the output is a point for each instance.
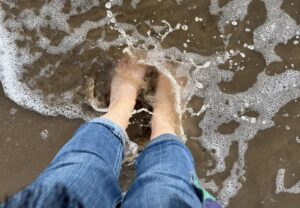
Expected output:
(237, 61)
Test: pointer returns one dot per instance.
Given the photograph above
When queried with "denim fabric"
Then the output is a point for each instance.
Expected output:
(88, 166)
(164, 172)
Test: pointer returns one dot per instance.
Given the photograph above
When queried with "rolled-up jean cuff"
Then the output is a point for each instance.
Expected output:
(114, 128)
(163, 139)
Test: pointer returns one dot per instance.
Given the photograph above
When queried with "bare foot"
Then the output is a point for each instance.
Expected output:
(165, 117)
(126, 83)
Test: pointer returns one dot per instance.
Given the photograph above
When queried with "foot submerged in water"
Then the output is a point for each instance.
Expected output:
(126, 84)
(166, 118)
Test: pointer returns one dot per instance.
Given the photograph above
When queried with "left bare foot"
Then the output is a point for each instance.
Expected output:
(126, 84)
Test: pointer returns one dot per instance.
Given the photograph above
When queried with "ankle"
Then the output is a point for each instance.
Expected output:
(125, 104)
(161, 125)
(156, 132)
(119, 112)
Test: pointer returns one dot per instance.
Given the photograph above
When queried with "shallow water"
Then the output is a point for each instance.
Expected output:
(240, 60)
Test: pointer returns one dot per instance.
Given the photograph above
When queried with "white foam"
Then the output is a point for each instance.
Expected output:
(233, 11)
(11, 67)
(279, 23)
(280, 187)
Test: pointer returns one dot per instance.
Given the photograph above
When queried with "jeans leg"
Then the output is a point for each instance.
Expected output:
(89, 164)
(165, 176)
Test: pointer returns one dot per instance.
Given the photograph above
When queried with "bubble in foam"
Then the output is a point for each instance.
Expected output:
(243, 55)
(199, 85)
(198, 19)
(13, 111)
(234, 23)
(253, 120)
(184, 27)
(44, 134)
(108, 5)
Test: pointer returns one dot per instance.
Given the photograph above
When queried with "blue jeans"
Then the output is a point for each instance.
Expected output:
(88, 166)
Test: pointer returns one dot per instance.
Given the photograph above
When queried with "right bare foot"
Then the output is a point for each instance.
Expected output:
(165, 117)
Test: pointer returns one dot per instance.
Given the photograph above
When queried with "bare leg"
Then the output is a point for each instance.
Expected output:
(165, 117)
(124, 90)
